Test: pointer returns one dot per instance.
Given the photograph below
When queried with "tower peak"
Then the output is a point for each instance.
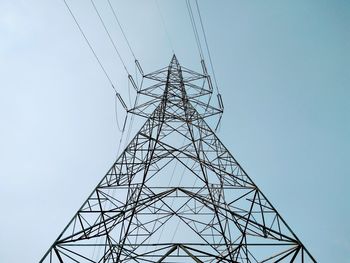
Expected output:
(174, 63)
(176, 83)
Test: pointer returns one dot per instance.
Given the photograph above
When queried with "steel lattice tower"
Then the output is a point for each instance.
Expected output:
(176, 194)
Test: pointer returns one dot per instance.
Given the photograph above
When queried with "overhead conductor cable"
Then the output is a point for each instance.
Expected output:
(164, 26)
(88, 43)
(121, 29)
(207, 46)
(109, 35)
(221, 104)
(96, 57)
(194, 28)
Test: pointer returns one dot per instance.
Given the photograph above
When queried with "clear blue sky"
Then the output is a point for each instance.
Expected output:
(283, 68)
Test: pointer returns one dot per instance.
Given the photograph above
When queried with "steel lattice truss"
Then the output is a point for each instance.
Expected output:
(176, 194)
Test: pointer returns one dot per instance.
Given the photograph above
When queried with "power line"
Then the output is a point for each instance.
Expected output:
(164, 26)
(89, 44)
(116, 114)
(121, 59)
(121, 28)
(118, 96)
(194, 28)
(207, 46)
(109, 35)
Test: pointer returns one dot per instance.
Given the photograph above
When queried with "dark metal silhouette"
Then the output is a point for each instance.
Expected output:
(176, 194)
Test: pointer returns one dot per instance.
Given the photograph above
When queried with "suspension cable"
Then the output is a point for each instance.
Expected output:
(207, 46)
(120, 57)
(194, 28)
(116, 114)
(121, 28)
(164, 26)
(118, 96)
(109, 35)
(219, 98)
(89, 44)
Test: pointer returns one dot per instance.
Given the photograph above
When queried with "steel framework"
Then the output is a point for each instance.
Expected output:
(176, 194)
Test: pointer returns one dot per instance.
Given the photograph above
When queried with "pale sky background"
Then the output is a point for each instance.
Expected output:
(284, 72)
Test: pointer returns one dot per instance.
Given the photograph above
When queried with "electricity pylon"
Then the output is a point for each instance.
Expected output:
(176, 194)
